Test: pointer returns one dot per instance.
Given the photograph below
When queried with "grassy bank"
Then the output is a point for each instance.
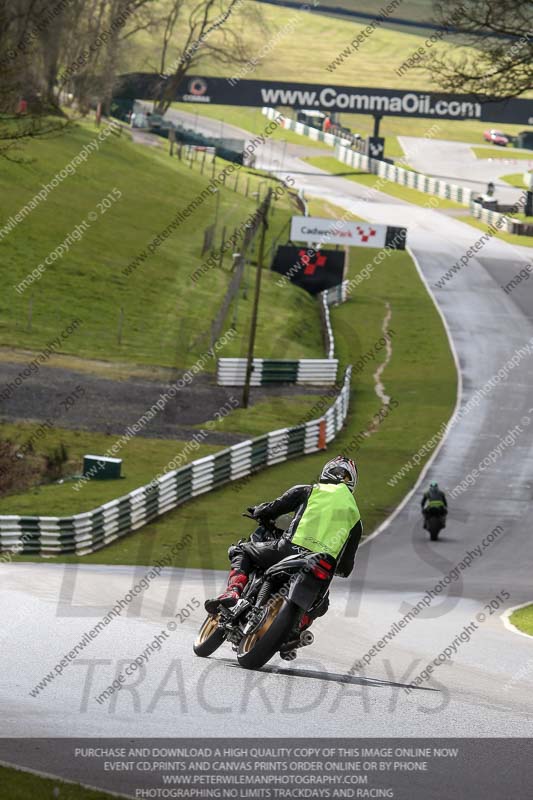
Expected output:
(154, 314)
(522, 618)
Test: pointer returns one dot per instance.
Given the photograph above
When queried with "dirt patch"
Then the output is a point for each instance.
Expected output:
(80, 401)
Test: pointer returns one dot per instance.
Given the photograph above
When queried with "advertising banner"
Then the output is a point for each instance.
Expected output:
(328, 98)
(313, 270)
(330, 231)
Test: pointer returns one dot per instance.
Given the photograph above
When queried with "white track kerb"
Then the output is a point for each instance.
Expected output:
(385, 524)
(506, 619)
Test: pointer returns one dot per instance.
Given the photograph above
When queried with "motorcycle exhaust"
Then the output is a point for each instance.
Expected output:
(306, 638)
(289, 655)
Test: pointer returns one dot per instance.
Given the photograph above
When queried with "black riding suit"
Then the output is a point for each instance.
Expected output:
(244, 555)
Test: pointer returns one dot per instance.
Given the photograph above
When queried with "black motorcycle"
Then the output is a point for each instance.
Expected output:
(266, 619)
(434, 522)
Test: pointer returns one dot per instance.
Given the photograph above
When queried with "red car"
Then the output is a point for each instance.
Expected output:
(496, 137)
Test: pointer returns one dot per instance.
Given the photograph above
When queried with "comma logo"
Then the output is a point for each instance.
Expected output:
(197, 87)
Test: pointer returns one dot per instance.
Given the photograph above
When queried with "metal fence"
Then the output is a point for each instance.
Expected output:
(501, 221)
(85, 533)
(405, 177)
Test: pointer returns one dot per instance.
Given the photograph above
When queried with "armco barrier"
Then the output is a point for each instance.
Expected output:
(326, 324)
(337, 294)
(501, 221)
(405, 177)
(306, 130)
(320, 371)
(92, 530)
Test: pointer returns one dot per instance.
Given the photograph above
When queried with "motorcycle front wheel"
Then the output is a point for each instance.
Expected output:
(258, 647)
(209, 638)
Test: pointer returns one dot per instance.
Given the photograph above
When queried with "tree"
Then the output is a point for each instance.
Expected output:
(206, 32)
(26, 108)
(496, 53)
(56, 51)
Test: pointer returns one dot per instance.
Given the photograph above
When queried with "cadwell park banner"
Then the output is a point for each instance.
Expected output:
(330, 231)
(328, 98)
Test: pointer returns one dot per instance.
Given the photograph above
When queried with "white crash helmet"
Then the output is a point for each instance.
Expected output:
(335, 471)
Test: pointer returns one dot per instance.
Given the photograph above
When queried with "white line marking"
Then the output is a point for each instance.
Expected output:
(505, 618)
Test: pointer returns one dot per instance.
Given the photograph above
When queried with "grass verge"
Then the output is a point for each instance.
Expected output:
(502, 153)
(515, 179)
(19, 785)
(522, 619)
(511, 238)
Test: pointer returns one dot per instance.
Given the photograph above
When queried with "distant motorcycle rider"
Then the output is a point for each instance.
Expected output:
(434, 502)
(326, 520)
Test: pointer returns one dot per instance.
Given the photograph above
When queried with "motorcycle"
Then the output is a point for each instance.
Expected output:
(266, 619)
(434, 522)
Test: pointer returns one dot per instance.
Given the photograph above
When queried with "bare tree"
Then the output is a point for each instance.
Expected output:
(208, 30)
(26, 108)
(495, 56)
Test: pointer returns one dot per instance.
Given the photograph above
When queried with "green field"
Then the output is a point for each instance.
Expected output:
(522, 618)
(330, 164)
(19, 785)
(503, 153)
(163, 311)
(419, 10)
(421, 377)
(323, 36)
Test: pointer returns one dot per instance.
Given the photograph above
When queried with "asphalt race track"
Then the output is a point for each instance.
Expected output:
(485, 689)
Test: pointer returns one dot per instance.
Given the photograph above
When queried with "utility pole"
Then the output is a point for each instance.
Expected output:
(255, 309)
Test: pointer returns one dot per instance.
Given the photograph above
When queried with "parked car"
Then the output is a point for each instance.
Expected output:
(496, 137)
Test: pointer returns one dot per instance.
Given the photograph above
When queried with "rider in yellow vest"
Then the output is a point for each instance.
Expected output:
(434, 502)
(326, 520)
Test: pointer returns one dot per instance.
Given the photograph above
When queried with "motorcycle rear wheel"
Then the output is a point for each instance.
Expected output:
(434, 528)
(258, 647)
(210, 637)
